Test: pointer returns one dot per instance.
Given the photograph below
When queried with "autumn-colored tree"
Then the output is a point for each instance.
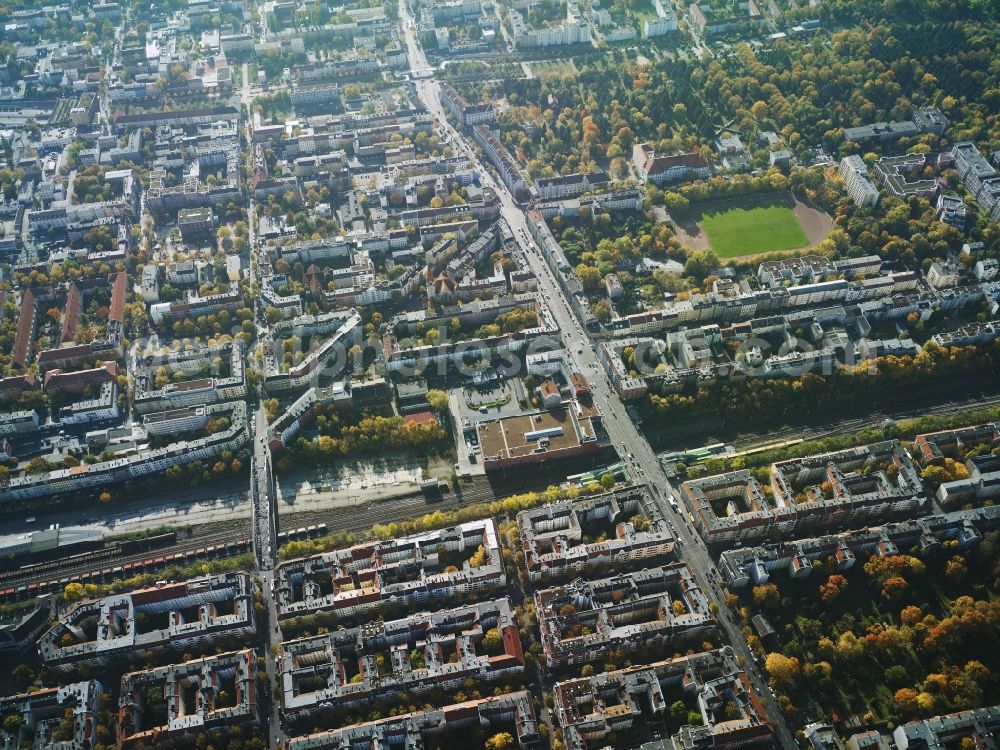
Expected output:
(602, 310)
(949, 471)
(73, 592)
(894, 588)
(880, 569)
(832, 588)
(955, 569)
(590, 277)
(906, 699)
(438, 400)
(500, 741)
(492, 642)
(911, 615)
(819, 672)
(479, 558)
(784, 669)
(766, 596)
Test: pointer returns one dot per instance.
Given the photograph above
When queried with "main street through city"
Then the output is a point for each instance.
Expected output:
(264, 506)
(627, 439)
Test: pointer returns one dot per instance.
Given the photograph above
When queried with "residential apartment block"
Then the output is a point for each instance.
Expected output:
(165, 616)
(756, 565)
(513, 711)
(846, 487)
(401, 355)
(856, 181)
(594, 710)
(409, 570)
(903, 176)
(175, 421)
(194, 304)
(664, 23)
(705, 18)
(661, 169)
(213, 692)
(982, 446)
(341, 394)
(924, 120)
(128, 466)
(466, 113)
(44, 714)
(808, 269)
(381, 659)
(970, 334)
(582, 620)
(195, 392)
(500, 157)
(627, 199)
(573, 30)
(568, 186)
(981, 725)
(338, 331)
(978, 176)
(950, 209)
(558, 539)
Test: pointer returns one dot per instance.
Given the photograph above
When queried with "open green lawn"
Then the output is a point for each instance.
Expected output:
(733, 232)
(550, 68)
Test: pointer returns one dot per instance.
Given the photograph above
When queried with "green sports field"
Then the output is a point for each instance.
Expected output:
(733, 232)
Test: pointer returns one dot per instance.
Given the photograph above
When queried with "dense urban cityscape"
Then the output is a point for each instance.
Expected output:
(539, 374)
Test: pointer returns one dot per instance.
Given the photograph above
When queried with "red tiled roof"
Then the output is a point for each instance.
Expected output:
(657, 164)
(71, 314)
(580, 384)
(57, 380)
(18, 384)
(118, 297)
(548, 388)
(420, 417)
(64, 354)
(443, 282)
(25, 328)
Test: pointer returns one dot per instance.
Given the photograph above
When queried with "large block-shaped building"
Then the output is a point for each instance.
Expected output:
(181, 700)
(52, 718)
(512, 711)
(565, 538)
(582, 621)
(411, 570)
(165, 616)
(756, 565)
(851, 486)
(416, 654)
(593, 710)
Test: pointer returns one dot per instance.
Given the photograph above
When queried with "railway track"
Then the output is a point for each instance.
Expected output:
(236, 538)
(361, 518)
(112, 563)
(94, 557)
(773, 439)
